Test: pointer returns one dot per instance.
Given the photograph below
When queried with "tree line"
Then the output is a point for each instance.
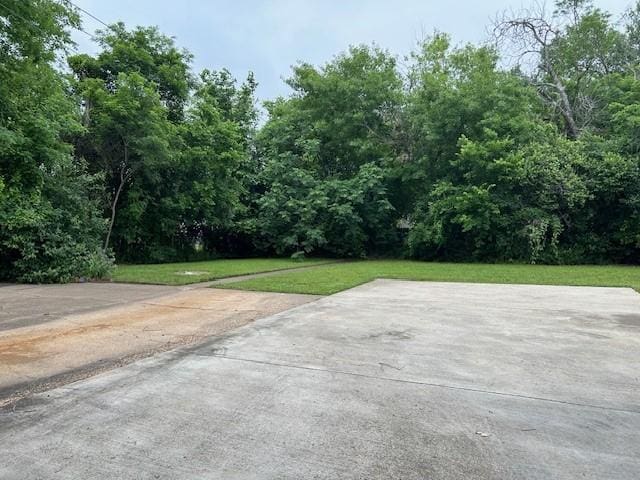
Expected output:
(525, 148)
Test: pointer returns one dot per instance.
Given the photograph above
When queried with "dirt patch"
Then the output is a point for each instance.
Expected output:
(76, 346)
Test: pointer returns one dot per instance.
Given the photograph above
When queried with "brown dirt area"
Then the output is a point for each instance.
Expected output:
(37, 358)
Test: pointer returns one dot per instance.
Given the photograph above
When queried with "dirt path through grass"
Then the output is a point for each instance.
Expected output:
(253, 276)
(193, 273)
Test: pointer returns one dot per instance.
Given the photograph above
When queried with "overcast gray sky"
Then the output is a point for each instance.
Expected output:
(268, 36)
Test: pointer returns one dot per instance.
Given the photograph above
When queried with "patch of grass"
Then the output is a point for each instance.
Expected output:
(193, 272)
(340, 276)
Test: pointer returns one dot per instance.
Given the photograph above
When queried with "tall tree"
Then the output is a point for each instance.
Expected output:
(337, 118)
(214, 140)
(170, 146)
(323, 187)
(129, 131)
(50, 222)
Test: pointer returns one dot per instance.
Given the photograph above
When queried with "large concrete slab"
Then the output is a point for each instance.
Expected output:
(388, 380)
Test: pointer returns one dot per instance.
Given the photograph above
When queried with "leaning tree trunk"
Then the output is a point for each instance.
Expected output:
(124, 176)
(114, 205)
(566, 110)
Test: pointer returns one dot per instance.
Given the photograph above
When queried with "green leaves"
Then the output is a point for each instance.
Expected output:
(147, 52)
(462, 157)
(340, 217)
(50, 218)
(214, 147)
(34, 30)
(324, 151)
(339, 116)
(54, 233)
(175, 151)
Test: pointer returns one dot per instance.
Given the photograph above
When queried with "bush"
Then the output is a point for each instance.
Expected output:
(54, 233)
(98, 265)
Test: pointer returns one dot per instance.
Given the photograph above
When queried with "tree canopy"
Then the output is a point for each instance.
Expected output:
(523, 149)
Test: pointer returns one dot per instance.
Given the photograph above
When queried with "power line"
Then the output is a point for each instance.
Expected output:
(97, 19)
(80, 29)
(91, 15)
(88, 13)
(92, 37)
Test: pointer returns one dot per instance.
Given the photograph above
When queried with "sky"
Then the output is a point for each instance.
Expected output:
(269, 36)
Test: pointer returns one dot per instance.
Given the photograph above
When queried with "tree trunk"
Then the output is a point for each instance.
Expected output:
(114, 205)
(565, 108)
(86, 112)
(124, 176)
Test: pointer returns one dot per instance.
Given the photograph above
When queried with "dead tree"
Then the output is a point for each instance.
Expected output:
(531, 33)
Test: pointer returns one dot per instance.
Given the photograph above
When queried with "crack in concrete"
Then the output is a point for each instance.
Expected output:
(163, 305)
(427, 384)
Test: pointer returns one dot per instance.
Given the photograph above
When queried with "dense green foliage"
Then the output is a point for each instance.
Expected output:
(168, 144)
(450, 157)
(50, 217)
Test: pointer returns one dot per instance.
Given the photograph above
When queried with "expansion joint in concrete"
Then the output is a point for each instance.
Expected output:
(426, 384)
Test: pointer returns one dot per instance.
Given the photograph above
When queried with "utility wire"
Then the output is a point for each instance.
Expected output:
(91, 36)
(88, 13)
(91, 15)
(86, 33)
(31, 24)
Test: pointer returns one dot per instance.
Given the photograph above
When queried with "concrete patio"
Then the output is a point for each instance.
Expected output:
(392, 379)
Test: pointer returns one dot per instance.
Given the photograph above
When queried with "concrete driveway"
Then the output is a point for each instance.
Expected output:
(392, 379)
(53, 335)
(28, 305)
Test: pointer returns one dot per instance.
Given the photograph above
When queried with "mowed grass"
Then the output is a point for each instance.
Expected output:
(340, 276)
(193, 272)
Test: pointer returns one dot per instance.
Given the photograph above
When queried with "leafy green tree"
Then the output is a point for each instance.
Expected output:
(300, 213)
(53, 233)
(170, 147)
(236, 105)
(324, 186)
(145, 51)
(214, 138)
(484, 162)
(338, 118)
(50, 222)
(129, 131)
(632, 29)
(608, 227)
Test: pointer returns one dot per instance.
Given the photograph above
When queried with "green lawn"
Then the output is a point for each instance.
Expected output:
(340, 276)
(193, 272)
